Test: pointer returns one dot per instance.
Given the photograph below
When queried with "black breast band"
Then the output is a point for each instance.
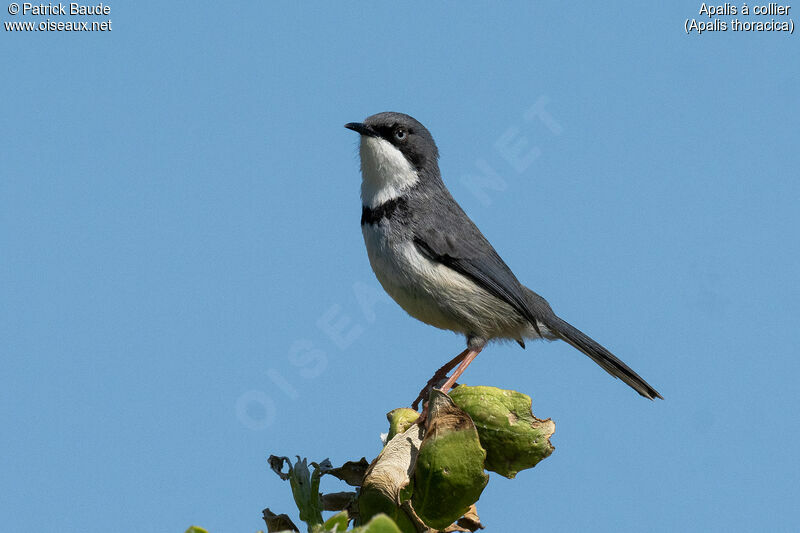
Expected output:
(386, 211)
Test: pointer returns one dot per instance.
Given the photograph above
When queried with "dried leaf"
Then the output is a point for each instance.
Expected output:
(323, 466)
(337, 501)
(278, 522)
(352, 472)
(276, 464)
(387, 483)
(471, 521)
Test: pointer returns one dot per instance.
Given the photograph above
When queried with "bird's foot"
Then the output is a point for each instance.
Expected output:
(438, 378)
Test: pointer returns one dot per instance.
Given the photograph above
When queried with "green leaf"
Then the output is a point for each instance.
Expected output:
(449, 475)
(400, 420)
(196, 529)
(513, 438)
(305, 486)
(337, 523)
(379, 524)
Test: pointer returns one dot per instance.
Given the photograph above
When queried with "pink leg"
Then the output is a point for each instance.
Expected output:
(471, 354)
(466, 358)
(438, 376)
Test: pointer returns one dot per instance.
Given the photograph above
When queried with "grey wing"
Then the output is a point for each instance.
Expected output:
(467, 251)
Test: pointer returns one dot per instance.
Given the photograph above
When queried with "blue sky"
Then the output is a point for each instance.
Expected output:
(184, 289)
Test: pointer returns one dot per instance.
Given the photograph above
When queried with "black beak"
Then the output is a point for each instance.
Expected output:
(361, 128)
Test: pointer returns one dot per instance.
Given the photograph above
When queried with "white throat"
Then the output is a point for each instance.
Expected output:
(386, 173)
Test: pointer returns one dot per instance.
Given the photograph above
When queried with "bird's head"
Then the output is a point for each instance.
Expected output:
(396, 152)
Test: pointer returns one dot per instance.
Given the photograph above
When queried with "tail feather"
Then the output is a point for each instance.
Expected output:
(600, 355)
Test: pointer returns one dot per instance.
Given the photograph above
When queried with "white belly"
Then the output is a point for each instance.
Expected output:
(434, 293)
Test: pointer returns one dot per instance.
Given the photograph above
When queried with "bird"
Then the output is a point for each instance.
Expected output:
(433, 261)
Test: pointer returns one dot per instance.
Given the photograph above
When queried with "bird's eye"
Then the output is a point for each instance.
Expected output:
(400, 134)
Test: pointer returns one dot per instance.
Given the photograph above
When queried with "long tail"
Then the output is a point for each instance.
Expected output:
(599, 355)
